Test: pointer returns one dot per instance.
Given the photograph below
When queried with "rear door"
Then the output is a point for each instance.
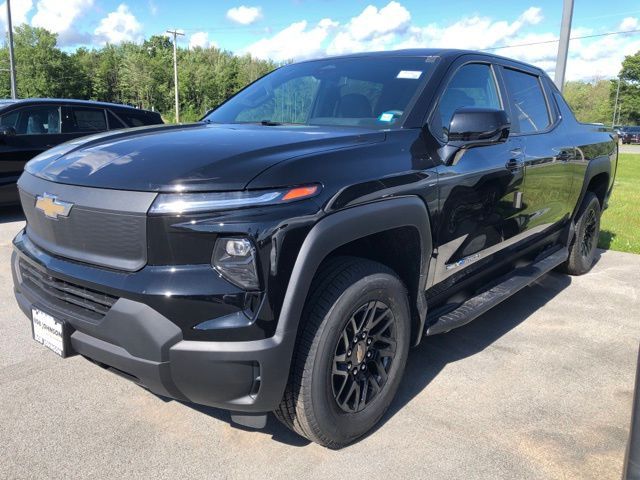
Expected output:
(547, 152)
(37, 128)
(78, 121)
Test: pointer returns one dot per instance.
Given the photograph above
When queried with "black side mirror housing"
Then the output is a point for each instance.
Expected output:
(474, 126)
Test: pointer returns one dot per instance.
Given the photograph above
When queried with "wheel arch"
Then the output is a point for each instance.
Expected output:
(343, 231)
(597, 179)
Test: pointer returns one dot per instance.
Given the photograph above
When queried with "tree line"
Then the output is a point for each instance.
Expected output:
(135, 74)
(142, 75)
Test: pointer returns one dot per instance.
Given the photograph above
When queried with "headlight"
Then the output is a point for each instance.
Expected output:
(235, 260)
(180, 203)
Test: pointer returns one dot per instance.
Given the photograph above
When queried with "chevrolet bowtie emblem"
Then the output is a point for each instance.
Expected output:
(52, 207)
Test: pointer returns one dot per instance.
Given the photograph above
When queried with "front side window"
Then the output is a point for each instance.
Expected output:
(473, 85)
(373, 92)
(85, 120)
(10, 119)
(528, 100)
(34, 120)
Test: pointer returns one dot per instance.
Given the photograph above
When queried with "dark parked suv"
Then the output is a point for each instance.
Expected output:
(31, 126)
(285, 253)
(630, 135)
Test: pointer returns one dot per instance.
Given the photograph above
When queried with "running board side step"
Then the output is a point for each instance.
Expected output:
(512, 283)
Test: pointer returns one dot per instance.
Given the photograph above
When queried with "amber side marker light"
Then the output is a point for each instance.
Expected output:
(300, 192)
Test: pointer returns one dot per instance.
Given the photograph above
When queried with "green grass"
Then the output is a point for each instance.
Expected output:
(620, 226)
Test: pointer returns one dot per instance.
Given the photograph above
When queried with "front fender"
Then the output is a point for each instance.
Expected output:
(343, 227)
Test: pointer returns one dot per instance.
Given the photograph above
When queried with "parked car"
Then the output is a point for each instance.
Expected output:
(30, 126)
(285, 253)
(630, 135)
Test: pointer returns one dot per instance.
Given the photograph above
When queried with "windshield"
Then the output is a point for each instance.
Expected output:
(361, 92)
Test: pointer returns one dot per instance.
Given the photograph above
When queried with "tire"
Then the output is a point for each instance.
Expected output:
(582, 250)
(345, 293)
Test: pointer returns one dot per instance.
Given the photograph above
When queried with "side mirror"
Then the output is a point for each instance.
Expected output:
(6, 131)
(473, 127)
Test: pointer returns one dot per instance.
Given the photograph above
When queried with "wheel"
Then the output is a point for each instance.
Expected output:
(350, 354)
(582, 251)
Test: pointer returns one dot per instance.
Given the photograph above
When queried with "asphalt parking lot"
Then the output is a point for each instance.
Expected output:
(540, 387)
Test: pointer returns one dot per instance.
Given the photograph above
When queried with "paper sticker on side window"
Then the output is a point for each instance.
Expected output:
(410, 74)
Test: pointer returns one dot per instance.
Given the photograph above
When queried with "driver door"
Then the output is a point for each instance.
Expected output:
(480, 188)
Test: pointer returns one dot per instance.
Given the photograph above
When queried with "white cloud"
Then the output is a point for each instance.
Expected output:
(244, 15)
(474, 32)
(201, 40)
(629, 23)
(294, 42)
(373, 29)
(153, 8)
(19, 12)
(59, 18)
(392, 27)
(119, 26)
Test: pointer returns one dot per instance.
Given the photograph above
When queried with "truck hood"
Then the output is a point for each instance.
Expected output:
(194, 157)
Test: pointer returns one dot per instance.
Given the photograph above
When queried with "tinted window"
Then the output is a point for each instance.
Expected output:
(10, 119)
(38, 121)
(139, 119)
(85, 120)
(114, 123)
(368, 91)
(565, 110)
(528, 100)
(473, 85)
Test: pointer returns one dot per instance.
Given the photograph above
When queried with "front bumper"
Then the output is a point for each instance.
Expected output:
(135, 340)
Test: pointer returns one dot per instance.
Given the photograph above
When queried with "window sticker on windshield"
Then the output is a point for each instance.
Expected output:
(389, 116)
(410, 74)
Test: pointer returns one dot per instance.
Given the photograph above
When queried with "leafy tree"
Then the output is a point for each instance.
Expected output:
(129, 73)
(591, 102)
(44, 70)
(630, 90)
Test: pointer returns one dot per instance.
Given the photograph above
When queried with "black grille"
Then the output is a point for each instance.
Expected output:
(107, 228)
(73, 297)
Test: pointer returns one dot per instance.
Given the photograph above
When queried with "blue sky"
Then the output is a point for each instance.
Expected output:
(298, 29)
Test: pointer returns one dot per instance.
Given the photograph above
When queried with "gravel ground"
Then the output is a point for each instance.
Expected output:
(538, 388)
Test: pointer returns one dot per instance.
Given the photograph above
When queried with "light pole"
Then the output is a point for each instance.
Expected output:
(563, 44)
(615, 105)
(175, 34)
(12, 65)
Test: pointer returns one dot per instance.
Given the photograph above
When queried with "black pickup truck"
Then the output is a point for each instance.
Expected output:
(286, 252)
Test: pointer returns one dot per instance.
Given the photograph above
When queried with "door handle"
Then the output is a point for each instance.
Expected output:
(514, 164)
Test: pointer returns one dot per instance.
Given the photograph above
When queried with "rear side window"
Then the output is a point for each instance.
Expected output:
(528, 100)
(85, 120)
(473, 85)
(134, 119)
(114, 123)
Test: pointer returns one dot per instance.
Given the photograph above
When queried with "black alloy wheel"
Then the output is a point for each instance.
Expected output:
(363, 356)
